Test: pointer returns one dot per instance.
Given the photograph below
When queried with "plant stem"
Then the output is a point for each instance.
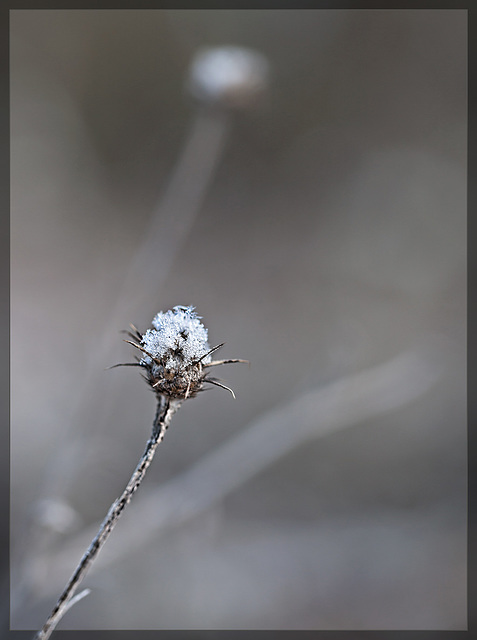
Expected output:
(165, 410)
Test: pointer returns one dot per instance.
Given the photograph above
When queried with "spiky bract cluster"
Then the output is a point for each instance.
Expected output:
(176, 353)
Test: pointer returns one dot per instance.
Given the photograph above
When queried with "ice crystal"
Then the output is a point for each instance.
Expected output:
(178, 339)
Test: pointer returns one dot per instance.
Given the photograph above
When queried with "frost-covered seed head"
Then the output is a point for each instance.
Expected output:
(176, 355)
(177, 348)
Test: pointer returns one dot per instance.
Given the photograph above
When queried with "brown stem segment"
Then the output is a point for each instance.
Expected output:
(165, 410)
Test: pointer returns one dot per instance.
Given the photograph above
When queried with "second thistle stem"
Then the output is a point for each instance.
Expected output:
(165, 410)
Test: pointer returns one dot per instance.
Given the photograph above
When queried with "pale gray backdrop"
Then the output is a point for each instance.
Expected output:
(329, 241)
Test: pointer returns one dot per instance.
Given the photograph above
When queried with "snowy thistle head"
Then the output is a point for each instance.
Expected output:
(176, 354)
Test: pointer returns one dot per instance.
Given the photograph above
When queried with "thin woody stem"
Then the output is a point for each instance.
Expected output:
(165, 410)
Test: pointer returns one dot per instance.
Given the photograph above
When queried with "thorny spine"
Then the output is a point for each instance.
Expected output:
(165, 410)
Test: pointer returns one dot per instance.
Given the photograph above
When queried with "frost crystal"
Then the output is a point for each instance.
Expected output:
(178, 340)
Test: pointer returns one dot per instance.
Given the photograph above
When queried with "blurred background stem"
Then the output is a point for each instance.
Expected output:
(318, 413)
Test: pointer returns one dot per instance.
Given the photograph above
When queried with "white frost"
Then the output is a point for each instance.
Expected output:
(178, 339)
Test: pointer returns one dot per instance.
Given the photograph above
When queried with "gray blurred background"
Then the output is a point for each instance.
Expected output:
(328, 241)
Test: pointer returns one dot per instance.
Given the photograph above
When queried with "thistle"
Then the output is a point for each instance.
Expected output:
(177, 355)
(175, 358)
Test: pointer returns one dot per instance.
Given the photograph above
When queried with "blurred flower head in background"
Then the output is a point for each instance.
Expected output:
(229, 76)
